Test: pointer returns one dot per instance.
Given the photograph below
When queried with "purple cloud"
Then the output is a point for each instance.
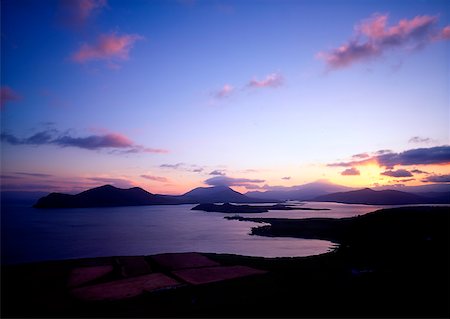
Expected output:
(33, 174)
(397, 173)
(108, 47)
(437, 179)
(286, 178)
(404, 180)
(230, 181)
(112, 141)
(418, 171)
(350, 172)
(217, 172)
(361, 155)
(373, 37)
(155, 178)
(418, 156)
(174, 166)
(418, 139)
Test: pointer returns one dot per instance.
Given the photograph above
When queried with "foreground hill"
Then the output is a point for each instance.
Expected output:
(384, 197)
(110, 196)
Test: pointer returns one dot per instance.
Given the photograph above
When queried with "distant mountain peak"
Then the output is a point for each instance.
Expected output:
(372, 197)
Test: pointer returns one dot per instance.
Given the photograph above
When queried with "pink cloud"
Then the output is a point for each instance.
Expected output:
(445, 34)
(224, 92)
(350, 172)
(115, 142)
(373, 37)
(75, 13)
(107, 47)
(8, 95)
(85, 7)
(271, 80)
(155, 178)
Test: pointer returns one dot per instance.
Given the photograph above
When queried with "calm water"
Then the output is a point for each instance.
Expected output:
(35, 235)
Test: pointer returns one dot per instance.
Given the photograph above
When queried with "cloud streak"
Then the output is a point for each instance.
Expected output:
(230, 181)
(272, 80)
(350, 172)
(373, 37)
(418, 139)
(112, 141)
(420, 156)
(217, 173)
(437, 179)
(155, 178)
(397, 173)
(40, 175)
(107, 47)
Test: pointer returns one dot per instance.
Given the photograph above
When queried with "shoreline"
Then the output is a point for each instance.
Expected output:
(393, 262)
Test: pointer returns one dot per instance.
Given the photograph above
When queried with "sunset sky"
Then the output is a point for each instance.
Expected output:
(172, 95)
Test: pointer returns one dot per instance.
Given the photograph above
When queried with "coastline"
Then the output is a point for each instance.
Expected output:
(380, 269)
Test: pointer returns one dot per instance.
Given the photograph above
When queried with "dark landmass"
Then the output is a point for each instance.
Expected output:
(103, 196)
(245, 209)
(390, 263)
(229, 208)
(384, 197)
(300, 192)
(306, 192)
(110, 196)
(216, 194)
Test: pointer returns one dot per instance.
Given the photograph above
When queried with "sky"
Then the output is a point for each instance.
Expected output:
(173, 95)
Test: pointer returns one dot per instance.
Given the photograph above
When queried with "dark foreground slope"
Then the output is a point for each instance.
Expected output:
(391, 263)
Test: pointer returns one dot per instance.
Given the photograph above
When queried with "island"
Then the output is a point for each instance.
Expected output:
(248, 209)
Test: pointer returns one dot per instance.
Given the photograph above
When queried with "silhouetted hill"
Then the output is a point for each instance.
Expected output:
(300, 192)
(110, 196)
(419, 189)
(216, 194)
(104, 196)
(383, 197)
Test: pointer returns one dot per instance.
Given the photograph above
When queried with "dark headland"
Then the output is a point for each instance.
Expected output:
(110, 196)
(246, 209)
(390, 263)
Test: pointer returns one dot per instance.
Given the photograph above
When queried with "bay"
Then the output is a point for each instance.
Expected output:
(30, 235)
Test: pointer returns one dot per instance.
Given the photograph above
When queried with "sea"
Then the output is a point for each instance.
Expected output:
(31, 235)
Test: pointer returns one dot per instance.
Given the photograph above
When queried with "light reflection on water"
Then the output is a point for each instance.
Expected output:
(33, 235)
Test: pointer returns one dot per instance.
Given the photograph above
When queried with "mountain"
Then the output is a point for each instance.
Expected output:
(429, 188)
(300, 192)
(216, 194)
(383, 197)
(104, 196)
(110, 196)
